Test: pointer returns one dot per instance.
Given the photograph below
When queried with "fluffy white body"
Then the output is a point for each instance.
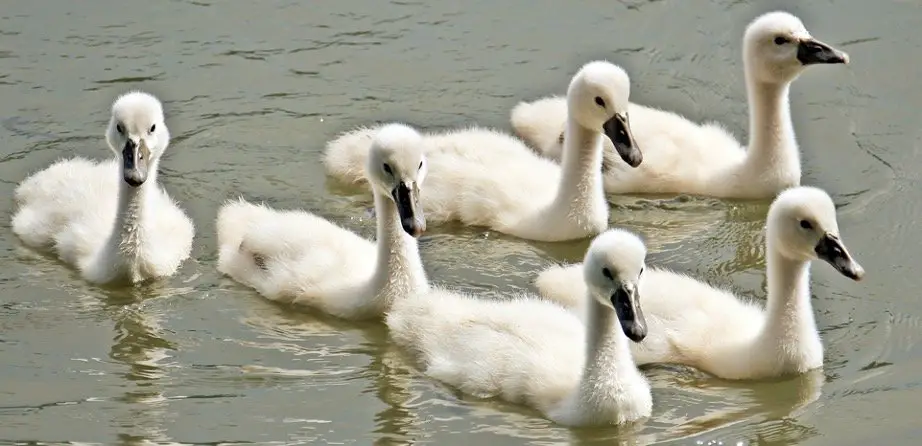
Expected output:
(484, 178)
(296, 257)
(693, 323)
(682, 156)
(110, 219)
(536, 353)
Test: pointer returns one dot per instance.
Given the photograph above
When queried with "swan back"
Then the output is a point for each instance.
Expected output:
(777, 47)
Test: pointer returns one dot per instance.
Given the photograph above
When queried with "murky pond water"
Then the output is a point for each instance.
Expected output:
(253, 90)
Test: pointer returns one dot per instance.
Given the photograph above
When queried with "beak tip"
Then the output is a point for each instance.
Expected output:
(858, 274)
(631, 155)
(637, 158)
(133, 181)
(413, 229)
(637, 334)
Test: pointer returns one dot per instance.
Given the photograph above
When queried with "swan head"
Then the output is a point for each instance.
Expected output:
(598, 99)
(612, 268)
(396, 169)
(802, 226)
(137, 134)
(777, 48)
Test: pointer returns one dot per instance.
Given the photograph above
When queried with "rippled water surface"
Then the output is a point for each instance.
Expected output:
(253, 90)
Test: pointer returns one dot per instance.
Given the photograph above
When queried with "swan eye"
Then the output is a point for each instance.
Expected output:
(420, 166)
(152, 128)
(806, 224)
(599, 101)
(120, 129)
(641, 270)
(781, 40)
(387, 168)
(607, 273)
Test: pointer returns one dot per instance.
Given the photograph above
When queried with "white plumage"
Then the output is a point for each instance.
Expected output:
(695, 324)
(533, 352)
(110, 219)
(681, 156)
(485, 178)
(296, 257)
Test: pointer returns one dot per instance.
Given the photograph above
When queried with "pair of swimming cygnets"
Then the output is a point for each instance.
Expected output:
(572, 350)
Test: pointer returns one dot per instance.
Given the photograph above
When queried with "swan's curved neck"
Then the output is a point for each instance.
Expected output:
(790, 313)
(581, 169)
(772, 144)
(608, 352)
(399, 270)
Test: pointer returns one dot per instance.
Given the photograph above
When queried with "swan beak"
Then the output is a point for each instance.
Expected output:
(626, 301)
(832, 250)
(411, 213)
(811, 51)
(135, 159)
(618, 130)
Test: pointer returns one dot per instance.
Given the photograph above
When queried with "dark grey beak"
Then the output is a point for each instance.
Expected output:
(832, 250)
(411, 213)
(812, 51)
(618, 130)
(627, 308)
(135, 158)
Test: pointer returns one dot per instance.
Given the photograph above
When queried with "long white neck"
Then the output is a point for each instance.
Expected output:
(772, 143)
(609, 366)
(581, 192)
(399, 271)
(790, 322)
(125, 243)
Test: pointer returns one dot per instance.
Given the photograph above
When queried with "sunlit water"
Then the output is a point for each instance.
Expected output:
(253, 90)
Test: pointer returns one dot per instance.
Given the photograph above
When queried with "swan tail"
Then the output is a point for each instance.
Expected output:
(561, 284)
(235, 221)
(345, 156)
(541, 124)
(33, 227)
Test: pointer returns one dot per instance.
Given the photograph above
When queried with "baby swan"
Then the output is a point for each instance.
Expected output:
(681, 156)
(110, 219)
(299, 258)
(701, 326)
(484, 178)
(533, 352)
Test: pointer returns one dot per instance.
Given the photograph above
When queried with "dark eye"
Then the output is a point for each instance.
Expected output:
(607, 273)
(806, 224)
(420, 165)
(641, 270)
(387, 168)
(600, 102)
(120, 129)
(152, 128)
(781, 40)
